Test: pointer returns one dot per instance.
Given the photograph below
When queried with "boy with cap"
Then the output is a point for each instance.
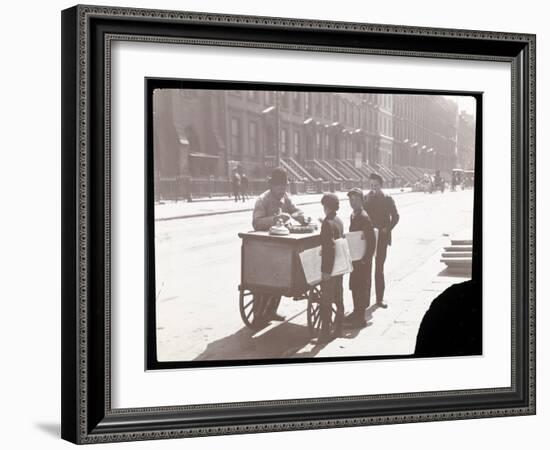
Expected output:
(360, 278)
(383, 213)
(332, 228)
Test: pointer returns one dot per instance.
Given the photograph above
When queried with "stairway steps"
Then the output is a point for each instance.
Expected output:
(457, 261)
(459, 248)
(457, 255)
(461, 242)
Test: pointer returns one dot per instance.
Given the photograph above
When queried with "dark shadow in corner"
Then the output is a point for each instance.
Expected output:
(452, 324)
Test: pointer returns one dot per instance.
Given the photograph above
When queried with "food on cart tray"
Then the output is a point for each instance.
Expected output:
(279, 229)
(309, 228)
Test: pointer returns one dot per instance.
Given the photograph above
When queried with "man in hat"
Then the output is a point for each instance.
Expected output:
(360, 278)
(383, 214)
(273, 204)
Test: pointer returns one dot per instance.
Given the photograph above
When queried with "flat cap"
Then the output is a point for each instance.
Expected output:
(355, 191)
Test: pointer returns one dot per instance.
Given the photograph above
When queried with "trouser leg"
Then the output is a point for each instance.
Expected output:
(360, 284)
(381, 250)
(359, 301)
(339, 304)
(325, 306)
(368, 284)
(274, 303)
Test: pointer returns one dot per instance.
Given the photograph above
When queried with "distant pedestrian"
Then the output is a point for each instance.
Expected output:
(236, 184)
(360, 278)
(244, 186)
(383, 214)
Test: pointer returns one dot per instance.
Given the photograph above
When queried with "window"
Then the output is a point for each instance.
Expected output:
(336, 109)
(253, 95)
(253, 138)
(269, 98)
(284, 141)
(318, 140)
(327, 106)
(296, 143)
(284, 100)
(307, 101)
(296, 101)
(318, 104)
(235, 136)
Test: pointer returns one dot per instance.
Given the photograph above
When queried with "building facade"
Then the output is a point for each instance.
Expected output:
(466, 141)
(207, 133)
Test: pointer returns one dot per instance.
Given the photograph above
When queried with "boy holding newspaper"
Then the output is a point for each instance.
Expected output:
(332, 229)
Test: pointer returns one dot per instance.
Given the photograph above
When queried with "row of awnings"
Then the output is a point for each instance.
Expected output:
(204, 155)
(219, 141)
(416, 146)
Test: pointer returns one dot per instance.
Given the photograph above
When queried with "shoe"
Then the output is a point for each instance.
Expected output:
(351, 317)
(355, 320)
(382, 305)
(359, 322)
(277, 317)
(322, 339)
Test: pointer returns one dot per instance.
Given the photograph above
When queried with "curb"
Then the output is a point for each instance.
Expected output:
(247, 209)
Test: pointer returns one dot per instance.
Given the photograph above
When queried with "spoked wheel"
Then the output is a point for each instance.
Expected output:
(314, 319)
(255, 307)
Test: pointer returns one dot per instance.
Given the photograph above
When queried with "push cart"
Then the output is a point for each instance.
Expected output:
(271, 268)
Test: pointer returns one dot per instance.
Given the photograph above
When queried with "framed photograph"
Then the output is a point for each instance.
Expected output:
(267, 222)
(212, 150)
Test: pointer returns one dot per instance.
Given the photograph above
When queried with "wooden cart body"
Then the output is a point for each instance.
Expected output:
(272, 263)
(271, 267)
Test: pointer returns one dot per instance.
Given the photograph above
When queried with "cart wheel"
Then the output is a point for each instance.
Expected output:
(314, 321)
(254, 308)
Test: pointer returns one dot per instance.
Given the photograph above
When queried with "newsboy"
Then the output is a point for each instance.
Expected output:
(360, 278)
(383, 214)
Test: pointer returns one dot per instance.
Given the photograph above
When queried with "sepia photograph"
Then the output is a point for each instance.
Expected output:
(310, 223)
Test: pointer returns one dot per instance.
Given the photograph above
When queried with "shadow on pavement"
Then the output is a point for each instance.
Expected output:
(281, 341)
(285, 340)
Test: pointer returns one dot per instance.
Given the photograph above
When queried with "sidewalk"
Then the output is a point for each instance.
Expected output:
(181, 210)
(393, 331)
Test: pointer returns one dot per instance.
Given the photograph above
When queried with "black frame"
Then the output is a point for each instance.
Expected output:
(87, 32)
(151, 84)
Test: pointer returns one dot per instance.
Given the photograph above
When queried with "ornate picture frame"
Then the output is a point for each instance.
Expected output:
(88, 33)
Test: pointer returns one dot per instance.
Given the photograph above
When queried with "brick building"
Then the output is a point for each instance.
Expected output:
(333, 137)
(466, 141)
